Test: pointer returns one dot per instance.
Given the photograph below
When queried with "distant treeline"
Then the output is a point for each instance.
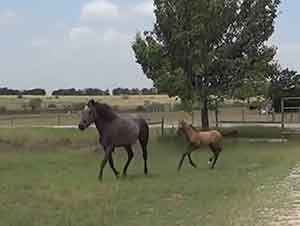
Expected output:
(99, 92)
(126, 91)
(36, 92)
(80, 92)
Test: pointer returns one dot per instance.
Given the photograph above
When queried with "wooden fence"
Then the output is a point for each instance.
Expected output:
(51, 120)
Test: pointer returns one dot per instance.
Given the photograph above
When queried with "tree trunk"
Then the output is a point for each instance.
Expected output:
(204, 115)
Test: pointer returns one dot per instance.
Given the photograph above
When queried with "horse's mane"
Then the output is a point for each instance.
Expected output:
(105, 111)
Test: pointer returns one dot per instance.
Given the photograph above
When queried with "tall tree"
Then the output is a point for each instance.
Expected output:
(203, 47)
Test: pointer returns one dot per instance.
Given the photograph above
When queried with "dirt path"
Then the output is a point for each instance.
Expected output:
(290, 215)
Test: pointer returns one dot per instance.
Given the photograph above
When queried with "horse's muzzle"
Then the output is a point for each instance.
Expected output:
(81, 127)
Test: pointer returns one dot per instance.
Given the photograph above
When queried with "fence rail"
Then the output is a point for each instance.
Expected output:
(56, 120)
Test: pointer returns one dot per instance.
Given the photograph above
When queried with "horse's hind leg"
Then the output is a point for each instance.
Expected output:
(112, 166)
(145, 157)
(143, 138)
(130, 156)
(191, 161)
(213, 149)
(216, 155)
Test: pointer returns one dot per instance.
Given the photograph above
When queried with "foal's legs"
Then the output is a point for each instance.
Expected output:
(130, 156)
(181, 160)
(111, 163)
(191, 161)
(216, 151)
(190, 148)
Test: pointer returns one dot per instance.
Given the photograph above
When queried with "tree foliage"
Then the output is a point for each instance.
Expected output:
(285, 83)
(202, 48)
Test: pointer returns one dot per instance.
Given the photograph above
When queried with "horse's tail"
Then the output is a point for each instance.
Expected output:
(144, 132)
(144, 138)
(232, 133)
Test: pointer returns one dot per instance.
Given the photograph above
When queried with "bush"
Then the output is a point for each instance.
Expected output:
(35, 104)
(20, 96)
(147, 102)
(3, 109)
(125, 97)
(140, 108)
(52, 105)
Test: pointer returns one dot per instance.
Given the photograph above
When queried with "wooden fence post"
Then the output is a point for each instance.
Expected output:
(193, 118)
(58, 120)
(243, 115)
(162, 126)
(282, 113)
(12, 122)
(217, 115)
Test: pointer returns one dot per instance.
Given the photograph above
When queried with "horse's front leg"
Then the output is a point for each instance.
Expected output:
(107, 152)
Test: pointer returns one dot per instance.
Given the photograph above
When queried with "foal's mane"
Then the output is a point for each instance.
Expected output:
(104, 111)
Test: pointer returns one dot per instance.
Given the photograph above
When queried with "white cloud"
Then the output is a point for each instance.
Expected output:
(99, 10)
(145, 8)
(8, 17)
(81, 33)
(112, 35)
(38, 43)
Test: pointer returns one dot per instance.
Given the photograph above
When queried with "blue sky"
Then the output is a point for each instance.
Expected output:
(80, 43)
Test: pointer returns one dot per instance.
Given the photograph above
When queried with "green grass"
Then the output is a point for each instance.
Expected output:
(58, 185)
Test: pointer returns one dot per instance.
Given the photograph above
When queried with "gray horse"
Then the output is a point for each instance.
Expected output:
(115, 131)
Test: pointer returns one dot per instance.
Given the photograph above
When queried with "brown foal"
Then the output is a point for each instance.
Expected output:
(196, 139)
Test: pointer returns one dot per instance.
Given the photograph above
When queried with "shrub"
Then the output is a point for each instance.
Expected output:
(125, 97)
(140, 108)
(35, 104)
(3, 109)
(255, 105)
(147, 102)
(52, 105)
(20, 96)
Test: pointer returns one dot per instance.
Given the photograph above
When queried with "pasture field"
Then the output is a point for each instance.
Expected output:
(123, 102)
(49, 177)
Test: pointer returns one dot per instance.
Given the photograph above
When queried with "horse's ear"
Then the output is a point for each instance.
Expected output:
(91, 103)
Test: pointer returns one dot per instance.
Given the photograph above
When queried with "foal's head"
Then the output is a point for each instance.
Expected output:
(182, 125)
(88, 115)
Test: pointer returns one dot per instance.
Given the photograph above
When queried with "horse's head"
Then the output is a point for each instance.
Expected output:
(88, 115)
(181, 127)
